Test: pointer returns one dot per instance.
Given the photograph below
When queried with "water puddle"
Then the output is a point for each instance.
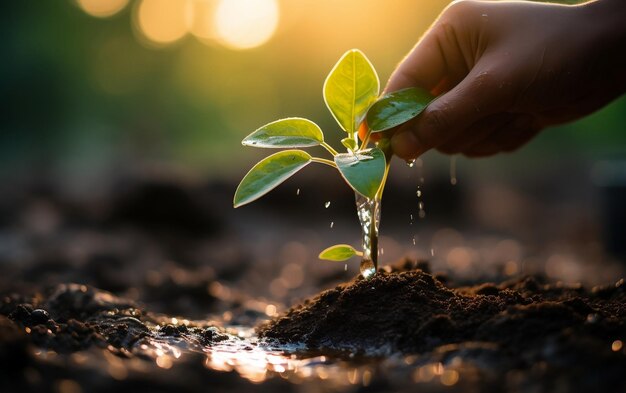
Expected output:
(257, 360)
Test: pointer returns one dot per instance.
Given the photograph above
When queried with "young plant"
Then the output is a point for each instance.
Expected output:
(351, 93)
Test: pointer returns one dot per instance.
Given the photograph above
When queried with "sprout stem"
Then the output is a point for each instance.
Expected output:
(324, 161)
(366, 139)
(329, 148)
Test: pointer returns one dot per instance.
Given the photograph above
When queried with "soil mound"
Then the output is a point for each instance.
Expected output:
(412, 312)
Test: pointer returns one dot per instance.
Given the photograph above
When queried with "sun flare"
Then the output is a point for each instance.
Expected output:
(244, 24)
(102, 8)
(164, 21)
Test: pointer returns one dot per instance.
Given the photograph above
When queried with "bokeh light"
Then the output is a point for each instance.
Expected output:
(243, 24)
(102, 8)
(202, 25)
(164, 21)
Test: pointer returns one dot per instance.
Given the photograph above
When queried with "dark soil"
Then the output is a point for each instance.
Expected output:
(522, 326)
(75, 338)
(88, 290)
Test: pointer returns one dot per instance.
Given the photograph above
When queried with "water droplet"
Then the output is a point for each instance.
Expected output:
(410, 163)
(327, 204)
(432, 252)
(367, 268)
(298, 191)
(345, 267)
(419, 193)
(414, 241)
(382, 251)
(422, 213)
(332, 223)
(421, 205)
(453, 170)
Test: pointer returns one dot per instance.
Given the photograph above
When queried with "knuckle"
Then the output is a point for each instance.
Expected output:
(435, 124)
(460, 7)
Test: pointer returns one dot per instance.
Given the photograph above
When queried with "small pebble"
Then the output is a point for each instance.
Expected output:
(39, 316)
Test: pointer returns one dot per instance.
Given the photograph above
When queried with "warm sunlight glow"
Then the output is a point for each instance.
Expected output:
(164, 21)
(203, 16)
(102, 8)
(243, 24)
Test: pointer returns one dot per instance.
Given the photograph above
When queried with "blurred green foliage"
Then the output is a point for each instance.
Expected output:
(82, 91)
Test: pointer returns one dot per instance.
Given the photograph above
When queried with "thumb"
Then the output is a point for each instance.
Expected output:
(480, 94)
(424, 66)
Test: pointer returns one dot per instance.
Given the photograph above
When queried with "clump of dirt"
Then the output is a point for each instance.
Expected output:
(507, 326)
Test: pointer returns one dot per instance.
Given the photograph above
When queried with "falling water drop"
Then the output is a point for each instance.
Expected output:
(327, 204)
(410, 163)
(419, 193)
(414, 241)
(422, 212)
(345, 267)
(432, 252)
(453, 170)
(298, 191)
(332, 223)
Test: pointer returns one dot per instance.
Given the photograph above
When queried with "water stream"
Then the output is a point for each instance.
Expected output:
(368, 211)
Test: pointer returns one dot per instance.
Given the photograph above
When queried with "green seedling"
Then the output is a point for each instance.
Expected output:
(351, 92)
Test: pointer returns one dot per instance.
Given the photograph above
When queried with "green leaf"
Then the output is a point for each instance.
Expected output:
(364, 171)
(339, 252)
(269, 173)
(396, 108)
(289, 132)
(350, 88)
(349, 143)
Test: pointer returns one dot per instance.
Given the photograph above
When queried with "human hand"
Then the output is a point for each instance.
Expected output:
(505, 70)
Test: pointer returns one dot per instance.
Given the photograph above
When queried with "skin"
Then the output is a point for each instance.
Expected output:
(505, 70)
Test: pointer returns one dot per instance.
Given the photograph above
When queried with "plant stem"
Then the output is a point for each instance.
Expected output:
(324, 161)
(379, 194)
(366, 139)
(329, 148)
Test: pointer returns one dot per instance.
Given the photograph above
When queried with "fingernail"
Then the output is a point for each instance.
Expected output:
(405, 144)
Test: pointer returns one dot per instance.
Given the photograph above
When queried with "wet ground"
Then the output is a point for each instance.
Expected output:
(158, 287)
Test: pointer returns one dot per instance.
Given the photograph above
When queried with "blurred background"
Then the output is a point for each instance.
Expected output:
(124, 117)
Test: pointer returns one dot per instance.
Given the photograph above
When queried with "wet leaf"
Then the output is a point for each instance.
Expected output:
(289, 132)
(364, 171)
(396, 108)
(349, 143)
(339, 252)
(269, 173)
(350, 88)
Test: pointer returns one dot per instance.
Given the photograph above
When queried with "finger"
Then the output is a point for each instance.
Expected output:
(475, 97)
(478, 131)
(424, 66)
(440, 58)
(506, 139)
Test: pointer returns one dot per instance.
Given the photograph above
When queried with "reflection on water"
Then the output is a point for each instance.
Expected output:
(257, 360)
